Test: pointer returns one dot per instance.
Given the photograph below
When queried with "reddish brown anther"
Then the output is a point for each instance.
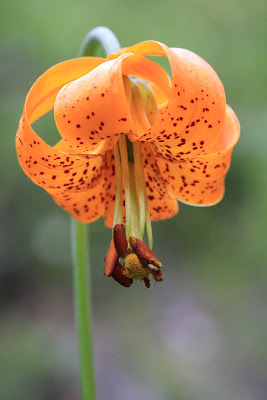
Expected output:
(119, 277)
(111, 259)
(139, 260)
(157, 275)
(120, 240)
(147, 282)
(144, 253)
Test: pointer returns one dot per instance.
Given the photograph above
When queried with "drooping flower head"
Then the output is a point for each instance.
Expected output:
(133, 142)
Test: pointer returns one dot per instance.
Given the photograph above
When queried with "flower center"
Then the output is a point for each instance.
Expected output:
(130, 175)
(128, 257)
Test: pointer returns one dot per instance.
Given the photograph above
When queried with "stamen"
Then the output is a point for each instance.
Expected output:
(119, 277)
(118, 203)
(148, 226)
(137, 212)
(126, 178)
(141, 192)
(144, 253)
(135, 226)
(120, 241)
(143, 201)
(153, 267)
(111, 259)
(131, 204)
(147, 282)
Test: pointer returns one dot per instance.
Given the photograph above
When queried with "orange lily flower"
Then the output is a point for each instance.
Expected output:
(133, 140)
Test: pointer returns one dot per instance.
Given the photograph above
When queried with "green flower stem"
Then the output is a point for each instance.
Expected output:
(100, 36)
(79, 239)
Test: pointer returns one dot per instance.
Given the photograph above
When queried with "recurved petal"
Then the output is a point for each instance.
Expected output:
(195, 111)
(201, 181)
(110, 188)
(162, 204)
(85, 206)
(42, 94)
(97, 149)
(48, 166)
(76, 175)
(96, 106)
(163, 208)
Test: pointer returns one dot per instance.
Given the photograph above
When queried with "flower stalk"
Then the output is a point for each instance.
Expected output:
(82, 299)
(99, 36)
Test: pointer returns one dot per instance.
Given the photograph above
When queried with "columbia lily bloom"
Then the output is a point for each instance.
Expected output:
(133, 142)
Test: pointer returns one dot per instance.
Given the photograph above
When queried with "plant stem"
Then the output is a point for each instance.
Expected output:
(100, 36)
(79, 236)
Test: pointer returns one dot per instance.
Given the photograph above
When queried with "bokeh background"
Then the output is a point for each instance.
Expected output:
(201, 334)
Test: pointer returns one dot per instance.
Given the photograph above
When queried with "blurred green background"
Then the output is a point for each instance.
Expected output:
(201, 334)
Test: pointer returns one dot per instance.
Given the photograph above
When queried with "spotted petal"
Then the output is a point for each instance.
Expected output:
(40, 161)
(85, 206)
(110, 188)
(195, 111)
(96, 106)
(162, 204)
(201, 181)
